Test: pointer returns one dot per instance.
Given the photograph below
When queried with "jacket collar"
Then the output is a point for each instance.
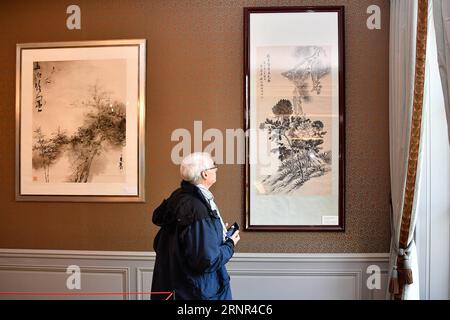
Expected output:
(195, 191)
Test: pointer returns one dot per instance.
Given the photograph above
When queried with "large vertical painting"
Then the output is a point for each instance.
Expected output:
(80, 121)
(294, 89)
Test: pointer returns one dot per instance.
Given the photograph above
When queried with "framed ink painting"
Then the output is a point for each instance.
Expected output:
(80, 121)
(294, 96)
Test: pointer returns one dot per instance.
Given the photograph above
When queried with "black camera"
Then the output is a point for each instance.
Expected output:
(231, 230)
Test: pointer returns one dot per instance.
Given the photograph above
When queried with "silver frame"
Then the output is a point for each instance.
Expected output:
(141, 44)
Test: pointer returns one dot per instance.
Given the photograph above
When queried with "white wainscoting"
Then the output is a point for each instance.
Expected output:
(125, 275)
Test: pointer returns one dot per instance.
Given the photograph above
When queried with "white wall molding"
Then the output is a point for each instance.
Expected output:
(78, 254)
(145, 255)
(312, 275)
(41, 278)
(254, 275)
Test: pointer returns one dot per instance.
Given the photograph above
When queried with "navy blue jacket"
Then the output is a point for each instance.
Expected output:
(190, 251)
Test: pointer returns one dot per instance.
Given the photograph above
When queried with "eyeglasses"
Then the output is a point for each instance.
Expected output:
(215, 167)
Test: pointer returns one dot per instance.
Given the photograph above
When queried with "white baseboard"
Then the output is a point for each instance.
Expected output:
(254, 276)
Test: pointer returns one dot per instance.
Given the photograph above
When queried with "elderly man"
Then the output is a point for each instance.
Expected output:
(191, 246)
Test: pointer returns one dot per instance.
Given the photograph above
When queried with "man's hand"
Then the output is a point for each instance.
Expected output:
(235, 237)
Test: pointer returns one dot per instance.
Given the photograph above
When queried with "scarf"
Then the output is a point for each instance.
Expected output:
(209, 196)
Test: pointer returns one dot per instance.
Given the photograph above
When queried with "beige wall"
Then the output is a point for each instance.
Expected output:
(195, 72)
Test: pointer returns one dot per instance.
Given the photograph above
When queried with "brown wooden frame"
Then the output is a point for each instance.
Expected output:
(341, 75)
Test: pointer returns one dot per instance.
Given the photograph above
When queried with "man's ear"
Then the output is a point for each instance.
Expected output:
(203, 175)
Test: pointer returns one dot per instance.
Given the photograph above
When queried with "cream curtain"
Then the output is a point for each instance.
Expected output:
(402, 51)
(441, 14)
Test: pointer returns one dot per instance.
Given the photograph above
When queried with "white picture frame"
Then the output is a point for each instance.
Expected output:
(80, 121)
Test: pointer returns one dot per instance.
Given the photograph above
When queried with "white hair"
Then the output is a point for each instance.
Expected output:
(192, 166)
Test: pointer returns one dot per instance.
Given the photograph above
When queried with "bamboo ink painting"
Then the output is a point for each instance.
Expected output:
(79, 120)
(88, 145)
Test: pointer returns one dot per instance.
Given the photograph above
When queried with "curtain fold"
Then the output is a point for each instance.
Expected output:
(408, 32)
(401, 75)
(441, 15)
